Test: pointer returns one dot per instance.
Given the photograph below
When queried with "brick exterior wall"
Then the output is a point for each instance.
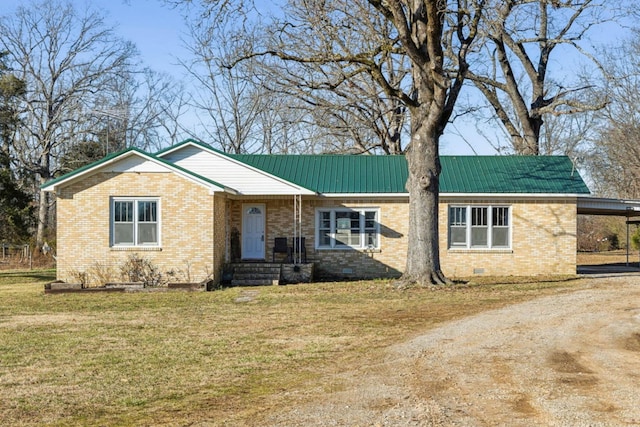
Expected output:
(387, 262)
(201, 232)
(187, 229)
(543, 239)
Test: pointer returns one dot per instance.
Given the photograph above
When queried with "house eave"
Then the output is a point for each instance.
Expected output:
(364, 195)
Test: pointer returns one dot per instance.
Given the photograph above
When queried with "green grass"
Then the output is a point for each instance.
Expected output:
(190, 357)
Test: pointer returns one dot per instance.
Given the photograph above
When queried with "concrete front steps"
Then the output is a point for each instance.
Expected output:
(255, 274)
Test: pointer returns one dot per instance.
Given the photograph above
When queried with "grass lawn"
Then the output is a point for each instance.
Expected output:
(221, 358)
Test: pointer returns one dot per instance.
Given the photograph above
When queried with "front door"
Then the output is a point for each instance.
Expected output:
(253, 231)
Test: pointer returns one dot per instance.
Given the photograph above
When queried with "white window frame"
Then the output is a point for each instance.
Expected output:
(135, 201)
(453, 221)
(333, 229)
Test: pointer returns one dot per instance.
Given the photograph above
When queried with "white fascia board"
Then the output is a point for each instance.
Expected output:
(298, 190)
(295, 192)
(89, 171)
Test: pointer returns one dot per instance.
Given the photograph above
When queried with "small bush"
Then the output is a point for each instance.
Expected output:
(181, 275)
(137, 269)
(100, 274)
(81, 277)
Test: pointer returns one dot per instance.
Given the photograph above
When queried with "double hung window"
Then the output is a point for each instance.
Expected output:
(472, 227)
(347, 228)
(135, 222)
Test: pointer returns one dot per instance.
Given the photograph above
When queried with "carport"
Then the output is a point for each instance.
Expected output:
(629, 209)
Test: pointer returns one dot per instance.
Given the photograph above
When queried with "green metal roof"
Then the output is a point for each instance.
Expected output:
(335, 173)
(511, 174)
(388, 174)
(360, 174)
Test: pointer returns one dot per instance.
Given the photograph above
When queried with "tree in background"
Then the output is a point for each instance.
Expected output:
(521, 81)
(276, 106)
(614, 163)
(15, 203)
(82, 83)
(347, 106)
(65, 57)
(601, 233)
(229, 98)
(81, 154)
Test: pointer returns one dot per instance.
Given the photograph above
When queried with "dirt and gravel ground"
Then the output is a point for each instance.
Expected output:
(572, 359)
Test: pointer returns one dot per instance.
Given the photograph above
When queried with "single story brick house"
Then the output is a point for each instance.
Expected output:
(191, 206)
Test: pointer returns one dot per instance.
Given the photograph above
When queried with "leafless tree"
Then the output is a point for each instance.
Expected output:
(142, 108)
(81, 79)
(349, 110)
(516, 71)
(614, 163)
(64, 56)
(354, 118)
(421, 30)
(228, 100)
(569, 134)
(283, 128)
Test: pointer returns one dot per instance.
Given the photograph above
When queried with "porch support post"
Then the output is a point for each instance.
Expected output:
(295, 229)
(227, 230)
(300, 228)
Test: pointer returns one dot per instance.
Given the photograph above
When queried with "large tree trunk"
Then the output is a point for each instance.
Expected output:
(423, 158)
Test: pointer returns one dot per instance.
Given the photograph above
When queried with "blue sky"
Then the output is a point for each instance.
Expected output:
(155, 29)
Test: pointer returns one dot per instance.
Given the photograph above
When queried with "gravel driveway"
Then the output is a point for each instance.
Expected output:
(572, 359)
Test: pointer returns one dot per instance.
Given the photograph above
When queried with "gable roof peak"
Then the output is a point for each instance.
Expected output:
(116, 157)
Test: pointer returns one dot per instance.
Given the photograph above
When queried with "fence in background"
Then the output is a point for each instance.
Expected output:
(15, 255)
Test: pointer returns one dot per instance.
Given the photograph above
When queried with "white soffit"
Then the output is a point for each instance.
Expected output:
(245, 179)
(136, 164)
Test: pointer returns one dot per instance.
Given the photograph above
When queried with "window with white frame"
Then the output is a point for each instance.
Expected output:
(342, 228)
(479, 227)
(135, 222)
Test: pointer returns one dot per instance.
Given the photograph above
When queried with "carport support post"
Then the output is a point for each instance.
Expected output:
(628, 240)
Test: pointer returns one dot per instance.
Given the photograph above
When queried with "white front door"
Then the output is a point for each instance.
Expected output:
(253, 231)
